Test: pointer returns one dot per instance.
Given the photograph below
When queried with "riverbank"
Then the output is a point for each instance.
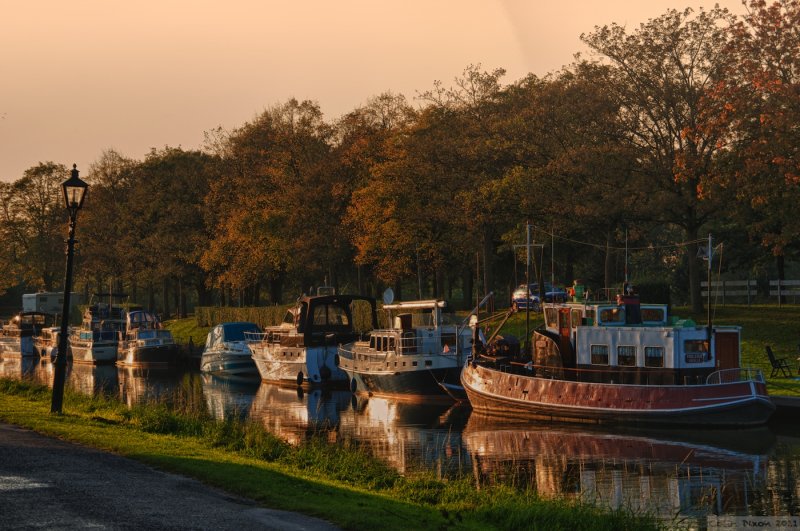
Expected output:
(338, 483)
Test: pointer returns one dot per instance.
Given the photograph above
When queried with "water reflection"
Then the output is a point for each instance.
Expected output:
(226, 398)
(295, 415)
(93, 379)
(410, 436)
(18, 368)
(659, 472)
(670, 473)
(139, 385)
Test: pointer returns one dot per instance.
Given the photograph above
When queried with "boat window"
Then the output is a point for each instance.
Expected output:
(288, 318)
(391, 344)
(551, 316)
(653, 356)
(590, 317)
(612, 315)
(329, 314)
(696, 350)
(576, 318)
(372, 342)
(626, 355)
(599, 354)
(653, 315)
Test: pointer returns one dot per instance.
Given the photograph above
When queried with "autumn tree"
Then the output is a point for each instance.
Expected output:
(104, 257)
(34, 227)
(661, 74)
(272, 211)
(760, 113)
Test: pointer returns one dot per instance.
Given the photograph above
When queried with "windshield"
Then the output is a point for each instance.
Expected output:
(235, 331)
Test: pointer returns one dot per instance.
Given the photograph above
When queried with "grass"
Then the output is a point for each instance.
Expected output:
(185, 329)
(340, 483)
(762, 325)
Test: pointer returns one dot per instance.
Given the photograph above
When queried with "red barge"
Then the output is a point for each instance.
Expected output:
(622, 363)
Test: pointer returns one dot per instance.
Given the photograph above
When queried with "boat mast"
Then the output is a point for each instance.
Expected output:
(709, 255)
(528, 286)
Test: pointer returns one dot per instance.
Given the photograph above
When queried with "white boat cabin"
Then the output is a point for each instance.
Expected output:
(421, 327)
(629, 336)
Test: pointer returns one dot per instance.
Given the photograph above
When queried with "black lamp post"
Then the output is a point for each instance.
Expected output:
(74, 194)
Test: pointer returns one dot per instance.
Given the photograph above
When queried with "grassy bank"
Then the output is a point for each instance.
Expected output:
(340, 483)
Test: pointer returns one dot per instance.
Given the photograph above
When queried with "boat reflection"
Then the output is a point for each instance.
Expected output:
(18, 367)
(228, 398)
(409, 435)
(296, 415)
(657, 472)
(93, 379)
(140, 385)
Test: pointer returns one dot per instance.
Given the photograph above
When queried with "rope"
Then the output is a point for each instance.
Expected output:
(604, 246)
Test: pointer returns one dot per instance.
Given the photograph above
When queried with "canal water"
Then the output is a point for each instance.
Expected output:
(688, 477)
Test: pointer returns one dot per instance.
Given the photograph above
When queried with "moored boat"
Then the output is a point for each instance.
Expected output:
(46, 343)
(226, 353)
(419, 357)
(97, 339)
(16, 336)
(302, 350)
(622, 363)
(146, 343)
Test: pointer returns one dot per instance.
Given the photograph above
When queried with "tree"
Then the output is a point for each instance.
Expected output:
(661, 75)
(272, 211)
(761, 97)
(34, 225)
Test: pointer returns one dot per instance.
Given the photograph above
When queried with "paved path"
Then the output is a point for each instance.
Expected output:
(52, 484)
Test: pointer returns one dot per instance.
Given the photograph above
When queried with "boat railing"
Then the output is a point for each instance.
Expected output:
(409, 343)
(267, 336)
(741, 374)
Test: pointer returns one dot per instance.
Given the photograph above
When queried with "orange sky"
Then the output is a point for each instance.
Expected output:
(83, 76)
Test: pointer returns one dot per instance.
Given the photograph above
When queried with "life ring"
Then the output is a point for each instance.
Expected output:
(300, 378)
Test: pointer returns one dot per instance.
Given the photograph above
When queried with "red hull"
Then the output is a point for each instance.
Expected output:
(513, 396)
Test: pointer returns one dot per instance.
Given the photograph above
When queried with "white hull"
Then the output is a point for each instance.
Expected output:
(297, 365)
(94, 352)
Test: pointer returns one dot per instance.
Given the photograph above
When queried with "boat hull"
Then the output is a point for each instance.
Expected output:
(230, 364)
(93, 352)
(519, 397)
(416, 384)
(148, 356)
(304, 366)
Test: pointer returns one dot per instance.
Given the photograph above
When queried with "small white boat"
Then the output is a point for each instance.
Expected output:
(226, 353)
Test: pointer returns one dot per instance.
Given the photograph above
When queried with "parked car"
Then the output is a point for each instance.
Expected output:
(520, 300)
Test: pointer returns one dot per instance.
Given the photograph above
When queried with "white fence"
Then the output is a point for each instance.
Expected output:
(784, 288)
(780, 289)
(730, 288)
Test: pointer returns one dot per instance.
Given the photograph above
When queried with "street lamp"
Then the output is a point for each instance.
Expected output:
(74, 194)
